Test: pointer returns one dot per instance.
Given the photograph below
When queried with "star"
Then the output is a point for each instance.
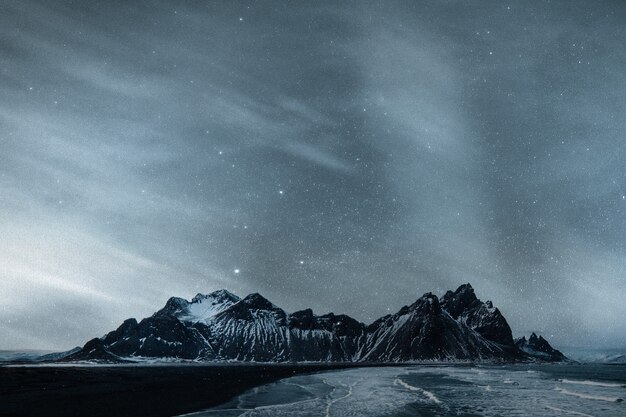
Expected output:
(236, 271)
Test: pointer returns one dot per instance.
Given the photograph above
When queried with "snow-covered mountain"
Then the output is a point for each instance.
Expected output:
(596, 355)
(201, 308)
(221, 327)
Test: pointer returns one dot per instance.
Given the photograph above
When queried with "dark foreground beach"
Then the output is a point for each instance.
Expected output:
(313, 390)
(155, 390)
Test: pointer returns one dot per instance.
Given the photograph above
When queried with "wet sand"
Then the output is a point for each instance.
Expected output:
(133, 391)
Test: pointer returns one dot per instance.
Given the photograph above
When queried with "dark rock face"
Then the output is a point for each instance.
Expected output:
(459, 301)
(95, 349)
(484, 318)
(158, 336)
(424, 330)
(221, 326)
(538, 348)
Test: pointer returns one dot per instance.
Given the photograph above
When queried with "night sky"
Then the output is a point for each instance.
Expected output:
(344, 156)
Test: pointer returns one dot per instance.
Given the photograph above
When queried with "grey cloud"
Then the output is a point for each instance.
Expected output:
(343, 157)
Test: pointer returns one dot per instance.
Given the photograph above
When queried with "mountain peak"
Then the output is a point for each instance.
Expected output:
(201, 308)
(426, 304)
(460, 300)
(430, 298)
(220, 295)
(173, 307)
(539, 348)
(302, 319)
(258, 302)
(466, 290)
(484, 318)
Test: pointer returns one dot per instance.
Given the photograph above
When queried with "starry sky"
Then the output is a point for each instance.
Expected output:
(345, 156)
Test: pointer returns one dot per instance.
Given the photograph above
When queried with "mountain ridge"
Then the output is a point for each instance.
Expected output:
(221, 326)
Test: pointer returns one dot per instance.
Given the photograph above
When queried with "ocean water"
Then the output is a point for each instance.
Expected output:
(516, 390)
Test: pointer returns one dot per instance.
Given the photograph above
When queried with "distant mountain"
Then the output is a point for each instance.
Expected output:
(596, 355)
(537, 347)
(33, 356)
(223, 327)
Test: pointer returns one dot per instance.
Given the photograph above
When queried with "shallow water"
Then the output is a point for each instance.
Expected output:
(520, 390)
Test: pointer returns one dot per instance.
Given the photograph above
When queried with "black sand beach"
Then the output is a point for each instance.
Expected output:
(154, 391)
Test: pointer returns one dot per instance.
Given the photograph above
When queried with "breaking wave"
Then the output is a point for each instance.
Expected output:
(589, 396)
(427, 394)
(593, 383)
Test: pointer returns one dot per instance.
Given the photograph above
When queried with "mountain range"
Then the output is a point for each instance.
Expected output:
(220, 326)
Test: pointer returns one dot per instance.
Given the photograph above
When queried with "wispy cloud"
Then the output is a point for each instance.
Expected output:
(151, 151)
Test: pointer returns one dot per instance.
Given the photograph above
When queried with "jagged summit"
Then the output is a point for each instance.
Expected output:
(482, 317)
(539, 348)
(427, 304)
(257, 301)
(222, 295)
(201, 308)
(460, 300)
(173, 306)
(220, 326)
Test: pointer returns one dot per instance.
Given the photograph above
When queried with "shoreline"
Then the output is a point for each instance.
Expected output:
(150, 389)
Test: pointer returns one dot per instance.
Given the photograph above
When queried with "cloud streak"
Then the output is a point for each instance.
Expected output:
(332, 154)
